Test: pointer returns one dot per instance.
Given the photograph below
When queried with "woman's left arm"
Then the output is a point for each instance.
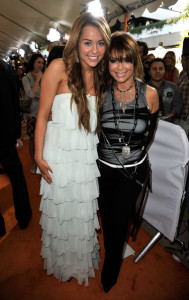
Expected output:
(152, 99)
(153, 103)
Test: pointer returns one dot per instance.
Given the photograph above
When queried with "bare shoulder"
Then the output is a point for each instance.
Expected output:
(57, 66)
(152, 98)
(176, 71)
(54, 74)
(175, 75)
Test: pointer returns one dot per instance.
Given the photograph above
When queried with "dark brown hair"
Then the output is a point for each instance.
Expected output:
(123, 44)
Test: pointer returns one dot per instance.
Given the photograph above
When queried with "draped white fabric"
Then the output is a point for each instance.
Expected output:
(169, 155)
(19, 29)
(152, 7)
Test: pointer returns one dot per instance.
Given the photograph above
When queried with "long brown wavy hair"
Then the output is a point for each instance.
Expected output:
(122, 43)
(74, 70)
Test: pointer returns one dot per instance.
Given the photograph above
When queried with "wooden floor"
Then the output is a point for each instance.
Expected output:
(4, 181)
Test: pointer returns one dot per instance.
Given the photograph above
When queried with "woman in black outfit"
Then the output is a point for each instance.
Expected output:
(128, 119)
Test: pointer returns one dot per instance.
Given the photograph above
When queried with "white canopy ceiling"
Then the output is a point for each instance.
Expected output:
(23, 21)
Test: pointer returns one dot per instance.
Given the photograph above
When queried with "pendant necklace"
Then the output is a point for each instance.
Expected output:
(89, 89)
(126, 150)
(123, 95)
(89, 86)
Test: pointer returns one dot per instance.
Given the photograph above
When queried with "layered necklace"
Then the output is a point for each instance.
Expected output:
(124, 96)
(126, 150)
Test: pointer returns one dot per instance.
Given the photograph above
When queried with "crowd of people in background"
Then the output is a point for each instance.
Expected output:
(167, 73)
(159, 79)
(159, 73)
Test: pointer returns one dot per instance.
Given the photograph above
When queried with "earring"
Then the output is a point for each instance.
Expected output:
(77, 60)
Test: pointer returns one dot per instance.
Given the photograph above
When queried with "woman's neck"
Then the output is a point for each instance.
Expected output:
(169, 69)
(33, 74)
(123, 86)
(89, 81)
(125, 93)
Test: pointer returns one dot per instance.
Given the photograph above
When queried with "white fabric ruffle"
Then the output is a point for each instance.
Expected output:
(69, 205)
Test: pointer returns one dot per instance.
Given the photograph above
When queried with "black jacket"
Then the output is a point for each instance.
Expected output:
(10, 124)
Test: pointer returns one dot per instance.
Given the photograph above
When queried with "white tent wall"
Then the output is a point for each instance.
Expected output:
(23, 21)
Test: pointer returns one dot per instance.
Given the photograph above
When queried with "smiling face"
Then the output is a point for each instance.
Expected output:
(157, 72)
(168, 60)
(39, 64)
(91, 47)
(121, 70)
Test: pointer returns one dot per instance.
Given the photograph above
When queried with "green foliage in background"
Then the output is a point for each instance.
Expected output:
(160, 24)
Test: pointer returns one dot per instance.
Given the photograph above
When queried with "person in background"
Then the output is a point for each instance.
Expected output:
(56, 52)
(150, 57)
(66, 151)
(143, 51)
(31, 84)
(10, 131)
(183, 79)
(128, 119)
(171, 72)
(148, 60)
(19, 76)
(25, 67)
(12, 64)
(146, 65)
(183, 85)
(169, 96)
(18, 61)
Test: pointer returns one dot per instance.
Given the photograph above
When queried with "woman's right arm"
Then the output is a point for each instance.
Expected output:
(27, 87)
(31, 92)
(49, 85)
(35, 87)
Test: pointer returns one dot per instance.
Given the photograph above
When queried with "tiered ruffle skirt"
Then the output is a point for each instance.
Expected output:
(69, 205)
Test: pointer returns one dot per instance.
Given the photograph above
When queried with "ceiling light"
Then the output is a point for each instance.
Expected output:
(95, 8)
(54, 35)
(21, 52)
(33, 46)
(45, 52)
(66, 37)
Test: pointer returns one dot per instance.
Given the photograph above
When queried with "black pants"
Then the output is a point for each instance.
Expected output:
(13, 168)
(117, 202)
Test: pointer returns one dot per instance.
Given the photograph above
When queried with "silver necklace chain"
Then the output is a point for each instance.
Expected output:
(124, 92)
(123, 96)
(126, 150)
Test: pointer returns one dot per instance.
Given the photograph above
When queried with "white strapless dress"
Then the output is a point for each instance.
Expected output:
(69, 204)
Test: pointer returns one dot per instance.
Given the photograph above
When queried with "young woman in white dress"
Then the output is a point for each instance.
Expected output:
(66, 152)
